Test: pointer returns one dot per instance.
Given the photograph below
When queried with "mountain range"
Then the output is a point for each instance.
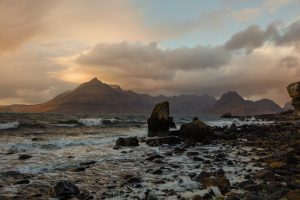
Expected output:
(95, 96)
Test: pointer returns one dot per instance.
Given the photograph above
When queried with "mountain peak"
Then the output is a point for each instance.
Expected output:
(94, 80)
(231, 95)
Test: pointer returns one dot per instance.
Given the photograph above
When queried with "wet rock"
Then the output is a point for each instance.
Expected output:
(197, 197)
(21, 182)
(209, 195)
(65, 189)
(194, 131)
(221, 182)
(264, 174)
(87, 163)
(252, 187)
(293, 194)
(132, 181)
(226, 115)
(13, 174)
(192, 153)
(245, 183)
(159, 121)
(232, 196)
(294, 92)
(201, 176)
(129, 141)
(24, 157)
(79, 169)
(278, 165)
(170, 140)
(273, 187)
(85, 195)
(150, 195)
(153, 157)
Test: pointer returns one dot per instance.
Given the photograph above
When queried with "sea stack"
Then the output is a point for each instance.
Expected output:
(160, 122)
(294, 92)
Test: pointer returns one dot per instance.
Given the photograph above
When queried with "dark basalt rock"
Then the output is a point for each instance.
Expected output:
(24, 157)
(21, 182)
(160, 122)
(226, 115)
(130, 141)
(221, 182)
(170, 140)
(294, 92)
(150, 195)
(194, 131)
(65, 189)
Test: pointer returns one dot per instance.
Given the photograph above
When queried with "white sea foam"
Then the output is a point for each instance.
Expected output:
(9, 125)
(91, 121)
(238, 122)
(65, 125)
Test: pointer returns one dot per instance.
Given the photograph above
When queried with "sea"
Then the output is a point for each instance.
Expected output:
(61, 142)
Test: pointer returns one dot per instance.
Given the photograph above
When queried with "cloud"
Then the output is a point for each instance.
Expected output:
(21, 21)
(254, 37)
(201, 69)
(25, 78)
(55, 43)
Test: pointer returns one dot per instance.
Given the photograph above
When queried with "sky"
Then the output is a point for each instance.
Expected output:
(166, 47)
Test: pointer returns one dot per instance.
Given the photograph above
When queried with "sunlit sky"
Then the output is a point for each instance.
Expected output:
(166, 47)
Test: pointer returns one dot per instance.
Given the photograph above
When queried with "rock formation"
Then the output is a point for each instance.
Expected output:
(196, 131)
(294, 92)
(160, 122)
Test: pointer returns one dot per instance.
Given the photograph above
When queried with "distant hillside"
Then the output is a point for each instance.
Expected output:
(232, 102)
(97, 97)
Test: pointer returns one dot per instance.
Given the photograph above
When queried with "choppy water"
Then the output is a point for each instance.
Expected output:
(58, 141)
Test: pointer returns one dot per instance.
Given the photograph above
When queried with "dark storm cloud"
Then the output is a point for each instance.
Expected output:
(138, 56)
(254, 37)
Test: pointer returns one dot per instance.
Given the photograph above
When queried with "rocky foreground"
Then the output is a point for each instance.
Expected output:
(194, 162)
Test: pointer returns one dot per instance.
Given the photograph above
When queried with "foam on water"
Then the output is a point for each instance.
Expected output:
(9, 125)
(238, 122)
(91, 122)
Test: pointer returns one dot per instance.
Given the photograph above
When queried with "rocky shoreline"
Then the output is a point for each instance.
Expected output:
(238, 162)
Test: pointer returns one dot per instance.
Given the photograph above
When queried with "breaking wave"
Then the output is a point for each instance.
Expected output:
(9, 125)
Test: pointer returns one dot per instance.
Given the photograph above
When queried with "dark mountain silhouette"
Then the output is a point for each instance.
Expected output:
(232, 102)
(97, 97)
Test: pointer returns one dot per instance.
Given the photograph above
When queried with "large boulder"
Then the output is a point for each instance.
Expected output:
(194, 131)
(294, 92)
(160, 122)
(129, 142)
(64, 189)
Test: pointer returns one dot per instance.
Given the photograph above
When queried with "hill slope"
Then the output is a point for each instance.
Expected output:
(97, 97)
(232, 102)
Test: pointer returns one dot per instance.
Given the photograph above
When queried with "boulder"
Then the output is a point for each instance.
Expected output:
(195, 131)
(24, 157)
(170, 140)
(294, 92)
(160, 122)
(221, 182)
(293, 194)
(129, 142)
(226, 115)
(65, 189)
(278, 165)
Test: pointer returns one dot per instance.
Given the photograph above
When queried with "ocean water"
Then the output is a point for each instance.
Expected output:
(59, 143)
(52, 139)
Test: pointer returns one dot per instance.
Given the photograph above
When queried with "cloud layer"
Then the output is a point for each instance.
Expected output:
(47, 47)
